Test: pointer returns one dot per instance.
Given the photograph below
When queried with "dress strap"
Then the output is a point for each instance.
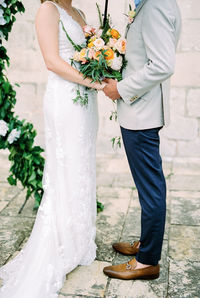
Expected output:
(81, 14)
(56, 5)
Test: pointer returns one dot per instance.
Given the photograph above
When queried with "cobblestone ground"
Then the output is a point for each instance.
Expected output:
(120, 220)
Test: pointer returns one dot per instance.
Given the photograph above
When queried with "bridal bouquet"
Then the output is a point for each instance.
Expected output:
(101, 56)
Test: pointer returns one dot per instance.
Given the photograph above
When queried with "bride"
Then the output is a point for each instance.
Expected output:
(63, 235)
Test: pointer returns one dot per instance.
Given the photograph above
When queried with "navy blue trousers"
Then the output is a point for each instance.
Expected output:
(142, 150)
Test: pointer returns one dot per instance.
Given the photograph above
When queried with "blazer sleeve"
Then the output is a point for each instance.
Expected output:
(158, 32)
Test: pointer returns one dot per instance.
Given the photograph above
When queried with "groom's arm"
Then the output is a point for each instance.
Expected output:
(158, 32)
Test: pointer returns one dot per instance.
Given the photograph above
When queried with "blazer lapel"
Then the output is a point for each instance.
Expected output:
(137, 12)
(139, 7)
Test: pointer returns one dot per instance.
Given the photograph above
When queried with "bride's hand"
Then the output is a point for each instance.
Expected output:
(100, 86)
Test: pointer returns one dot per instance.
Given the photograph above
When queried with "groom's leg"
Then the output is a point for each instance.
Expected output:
(142, 149)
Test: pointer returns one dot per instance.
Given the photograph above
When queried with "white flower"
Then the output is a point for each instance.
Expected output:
(116, 63)
(2, 20)
(99, 33)
(13, 136)
(1, 35)
(3, 128)
(112, 42)
(2, 3)
(99, 44)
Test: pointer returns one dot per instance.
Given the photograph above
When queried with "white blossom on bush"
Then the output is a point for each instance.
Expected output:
(1, 35)
(2, 3)
(3, 128)
(2, 20)
(14, 135)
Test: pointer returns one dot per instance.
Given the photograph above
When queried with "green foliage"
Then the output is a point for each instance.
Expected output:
(116, 142)
(98, 69)
(81, 99)
(76, 47)
(100, 16)
(27, 163)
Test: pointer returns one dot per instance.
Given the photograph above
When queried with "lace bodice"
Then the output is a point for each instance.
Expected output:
(74, 30)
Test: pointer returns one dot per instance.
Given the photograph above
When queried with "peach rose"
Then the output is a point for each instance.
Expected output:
(121, 46)
(76, 56)
(97, 55)
(112, 42)
(99, 44)
(90, 53)
(82, 55)
(89, 30)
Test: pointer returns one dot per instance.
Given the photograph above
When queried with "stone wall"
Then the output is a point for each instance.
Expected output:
(180, 139)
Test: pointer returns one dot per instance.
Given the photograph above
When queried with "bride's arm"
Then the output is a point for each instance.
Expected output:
(47, 26)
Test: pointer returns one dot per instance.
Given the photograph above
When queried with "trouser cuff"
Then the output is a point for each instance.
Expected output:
(147, 259)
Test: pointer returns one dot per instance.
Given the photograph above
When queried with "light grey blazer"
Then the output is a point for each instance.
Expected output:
(151, 46)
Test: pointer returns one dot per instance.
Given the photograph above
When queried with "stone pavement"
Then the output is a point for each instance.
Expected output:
(120, 220)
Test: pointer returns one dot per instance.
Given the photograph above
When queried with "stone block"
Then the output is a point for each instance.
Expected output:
(118, 166)
(132, 226)
(107, 127)
(177, 101)
(8, 192)
(168, 147)
(113, 192)
(86, 281)
(13, 208)
(185, 210)
(189, 8)
(185, 182)
(118, 19)
(193, 102)
(184, 243)
(26, 100)
(190, 40)
(30, 11)
(13, 232)
(184, 279)
(110, 224)
(189, 149)
(167, 167)
(186, 166)
(182, 128)
(3, 204)
(31, 60)
(21, 37)
(187, 72)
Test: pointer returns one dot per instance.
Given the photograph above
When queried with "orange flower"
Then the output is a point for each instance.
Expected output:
(90, 44)
(109, 54)
(115, 33)
(97, 55)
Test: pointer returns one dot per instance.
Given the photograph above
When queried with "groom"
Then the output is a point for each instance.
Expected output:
(143, 109)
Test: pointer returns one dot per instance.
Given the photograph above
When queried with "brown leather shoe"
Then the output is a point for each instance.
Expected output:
(128, 271)
(126, 248)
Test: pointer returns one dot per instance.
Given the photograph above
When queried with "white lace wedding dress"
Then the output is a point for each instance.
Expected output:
(63, 235)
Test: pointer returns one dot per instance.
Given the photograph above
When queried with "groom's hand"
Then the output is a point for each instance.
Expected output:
(110, 89)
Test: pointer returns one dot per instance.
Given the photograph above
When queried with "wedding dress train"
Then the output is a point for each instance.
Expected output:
(64, 231)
